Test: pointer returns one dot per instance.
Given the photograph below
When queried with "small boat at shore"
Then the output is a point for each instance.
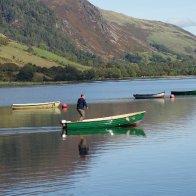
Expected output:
(130, 119)
(44, 105)
(149, 96)
(192, 92)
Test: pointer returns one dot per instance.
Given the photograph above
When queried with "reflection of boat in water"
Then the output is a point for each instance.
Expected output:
(111, 131)
(131, 119)
(158, 101)
(45, 105)
(35, 111)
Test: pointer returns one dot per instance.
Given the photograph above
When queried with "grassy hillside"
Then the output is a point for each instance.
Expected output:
(33, 23)
(174, 41)
(17, 53)
(171, 37)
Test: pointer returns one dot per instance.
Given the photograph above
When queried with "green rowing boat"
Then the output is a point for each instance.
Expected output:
(131, 119)
(193, 92)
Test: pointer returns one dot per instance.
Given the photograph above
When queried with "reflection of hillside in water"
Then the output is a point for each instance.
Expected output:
(28, 154)
(27, 118)
(158, 110)
(172, 111)
(47, 157)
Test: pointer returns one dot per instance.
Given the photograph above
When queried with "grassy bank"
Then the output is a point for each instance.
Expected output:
(18, 53)
(4, 84)
(20, 84)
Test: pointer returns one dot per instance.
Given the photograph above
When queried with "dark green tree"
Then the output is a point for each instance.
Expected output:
(26, 73)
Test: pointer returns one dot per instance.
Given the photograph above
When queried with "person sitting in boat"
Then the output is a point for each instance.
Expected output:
(81, 104)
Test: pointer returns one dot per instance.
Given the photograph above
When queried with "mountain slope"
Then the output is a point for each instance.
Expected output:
(110, 34)
(83, 24)
(83, 33)
(66, 40)
(149, 32)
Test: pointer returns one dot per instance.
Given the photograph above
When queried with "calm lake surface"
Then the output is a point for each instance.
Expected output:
(156, 158)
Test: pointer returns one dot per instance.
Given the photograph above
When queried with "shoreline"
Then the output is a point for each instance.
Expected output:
(6, 84)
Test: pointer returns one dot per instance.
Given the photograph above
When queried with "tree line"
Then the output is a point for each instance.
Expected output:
(33, 73)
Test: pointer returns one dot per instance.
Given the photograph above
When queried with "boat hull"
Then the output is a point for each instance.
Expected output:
(150, 96)
(183, 92)
(131, 119)
(36, 105)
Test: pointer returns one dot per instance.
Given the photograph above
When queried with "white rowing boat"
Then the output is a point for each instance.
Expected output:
(44, 105)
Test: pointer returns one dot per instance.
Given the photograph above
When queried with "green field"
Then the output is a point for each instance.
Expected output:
(18, 53)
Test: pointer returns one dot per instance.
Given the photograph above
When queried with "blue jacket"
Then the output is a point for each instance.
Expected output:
(81, 103)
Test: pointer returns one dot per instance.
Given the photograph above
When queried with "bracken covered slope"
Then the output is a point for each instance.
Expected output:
(110, 34)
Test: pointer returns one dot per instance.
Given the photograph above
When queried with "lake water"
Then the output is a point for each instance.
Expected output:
(156, 158)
